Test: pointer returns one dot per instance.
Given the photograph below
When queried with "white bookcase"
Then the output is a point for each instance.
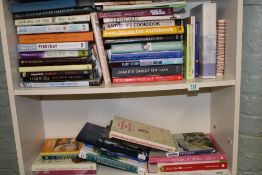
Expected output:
(61, 112)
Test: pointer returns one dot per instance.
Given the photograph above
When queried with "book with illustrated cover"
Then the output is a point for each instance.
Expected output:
(97, 136)
(141, 133)
(55, 148)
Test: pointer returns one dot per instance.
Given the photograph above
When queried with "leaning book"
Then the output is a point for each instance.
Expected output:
(63, 166)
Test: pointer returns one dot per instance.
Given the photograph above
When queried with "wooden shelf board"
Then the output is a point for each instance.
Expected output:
(124, 88)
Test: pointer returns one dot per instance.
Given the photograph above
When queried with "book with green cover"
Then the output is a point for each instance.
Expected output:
(141, 133)
(146, 47)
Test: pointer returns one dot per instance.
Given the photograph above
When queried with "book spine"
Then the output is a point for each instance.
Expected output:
(53, 61)
(186, 153)
(147, 71)
(52, 20)
(53, 29)
(52, 13)
(148, 31)
(52, 46)
(188, 158)
(100, 48)
(64, 172)
(139, 24)
(191, 167)
(55, 84)
(55, 68)
(42, 5)
(221, 45)
(146, 55)
(137, 18)
(57, 157)
(54, 54)
(121, 3)
(104, 160)
(197, 48)
(55, 73)
(56, 37)
(139, 12)
(138, 141)
(147, 62)
(188, 69)
(56, 78)
(197, 172)
(178, 37)
(147, 47)
(139, 79)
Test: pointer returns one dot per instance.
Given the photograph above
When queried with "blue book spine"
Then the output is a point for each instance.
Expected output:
(197, 49)
(146, 55)
(42, 5)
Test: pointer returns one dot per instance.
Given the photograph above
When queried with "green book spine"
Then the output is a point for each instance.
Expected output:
(188, 49)
(146, 47)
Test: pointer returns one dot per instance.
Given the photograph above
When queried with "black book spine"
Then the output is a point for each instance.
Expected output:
(175, 69)
(52, 61)
(55, 78)
(55, 73)
(178, 37)
(55, 12)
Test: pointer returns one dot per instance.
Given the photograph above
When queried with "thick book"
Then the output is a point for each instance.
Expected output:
(52, 46)
(55, 68)
(58, 148)
(141, 79)
(97, 136)
(146, 62)
(53, 28)
(108, 41)
(52, 20)
(54, 12)
(55, 54)
(137, 19)
(169, 4)
(97, 155)
(206, 14)
(136, 12)
(100, 48)
(146, 47)
(56, 37)
(42, 5)
(176, 69)
(147, 31)
(145, 55)
(28, 62)
(141, 133)
(67, 165)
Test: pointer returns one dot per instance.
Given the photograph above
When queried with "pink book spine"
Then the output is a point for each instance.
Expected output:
(129, 13)
(65, 172)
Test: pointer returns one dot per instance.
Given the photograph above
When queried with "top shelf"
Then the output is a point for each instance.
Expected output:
(123, 88)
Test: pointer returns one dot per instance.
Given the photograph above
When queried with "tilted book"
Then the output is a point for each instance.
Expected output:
(140, 133)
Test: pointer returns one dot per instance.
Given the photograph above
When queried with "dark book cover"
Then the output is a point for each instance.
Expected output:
(98, 137)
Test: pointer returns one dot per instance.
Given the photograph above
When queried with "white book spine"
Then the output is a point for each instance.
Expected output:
(198, 172)
(52, 46)
(138, 24)
(139, 18)
(53, 28)
(54, 84)
(52, 20)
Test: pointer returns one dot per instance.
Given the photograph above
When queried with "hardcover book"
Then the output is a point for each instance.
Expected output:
(56, 148)
(140, 79)
(98, 137)
(140, 133)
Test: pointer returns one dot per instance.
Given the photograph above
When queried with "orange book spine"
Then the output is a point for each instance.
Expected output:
(55, 38)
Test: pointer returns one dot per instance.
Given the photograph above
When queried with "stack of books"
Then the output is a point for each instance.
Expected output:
(145, 149)
(60, 157)
(144, 42)
(55, 48)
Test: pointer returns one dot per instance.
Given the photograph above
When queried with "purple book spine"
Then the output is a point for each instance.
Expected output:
(26, 55)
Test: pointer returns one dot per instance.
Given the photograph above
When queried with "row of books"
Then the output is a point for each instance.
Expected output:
(134, 147)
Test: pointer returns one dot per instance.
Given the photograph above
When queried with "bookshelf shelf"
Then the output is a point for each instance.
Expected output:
(123, 88)
(40, 113)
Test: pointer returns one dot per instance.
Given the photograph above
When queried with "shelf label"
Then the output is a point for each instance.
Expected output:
(193, 87)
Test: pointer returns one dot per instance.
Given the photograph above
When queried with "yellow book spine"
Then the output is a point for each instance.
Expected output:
(55, 68)
(149, 31)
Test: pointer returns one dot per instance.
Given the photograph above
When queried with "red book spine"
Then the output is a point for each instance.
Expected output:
(192, 167)
(140, 12)
(138, 79)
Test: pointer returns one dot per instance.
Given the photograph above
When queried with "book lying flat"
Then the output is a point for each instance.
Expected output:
(143, 134)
